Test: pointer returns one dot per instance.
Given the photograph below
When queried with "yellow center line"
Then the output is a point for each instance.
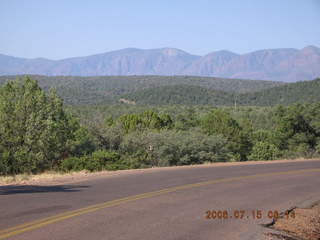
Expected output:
(9, 232)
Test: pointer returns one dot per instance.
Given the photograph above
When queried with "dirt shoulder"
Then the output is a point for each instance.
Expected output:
(55, 178)
(300, 223)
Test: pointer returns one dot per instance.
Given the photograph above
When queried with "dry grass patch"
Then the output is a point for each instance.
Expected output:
(30, 178)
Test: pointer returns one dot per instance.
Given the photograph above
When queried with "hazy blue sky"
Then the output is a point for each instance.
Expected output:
(65, 28)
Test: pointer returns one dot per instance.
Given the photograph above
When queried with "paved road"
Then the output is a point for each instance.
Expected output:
(161, 204)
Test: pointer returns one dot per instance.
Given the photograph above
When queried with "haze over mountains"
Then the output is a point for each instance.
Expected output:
(285, 64)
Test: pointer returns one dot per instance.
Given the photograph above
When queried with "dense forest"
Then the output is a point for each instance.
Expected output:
(183, 90)
(109, 89)
(302, 92)
(181, 94)
(38, 132)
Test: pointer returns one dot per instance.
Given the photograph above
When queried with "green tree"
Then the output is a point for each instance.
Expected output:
(34, 128)
(146, 120)
(220, 122)
(294, 131)
(82, 142)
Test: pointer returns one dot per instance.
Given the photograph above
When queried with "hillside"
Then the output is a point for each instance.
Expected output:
(181, 94)
(300, 92)
(161, 90)
(106, 89)
(285, 64)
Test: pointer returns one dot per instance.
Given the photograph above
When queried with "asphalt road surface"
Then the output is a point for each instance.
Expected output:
(171, 203)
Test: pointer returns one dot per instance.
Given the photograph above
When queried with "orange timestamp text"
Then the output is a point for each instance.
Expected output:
(247, 214)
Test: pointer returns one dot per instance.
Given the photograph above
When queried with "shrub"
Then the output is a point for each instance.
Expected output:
(264, 151)
(82, 143)
(5, 165)
(107, 160)
(98, 161)
(263, 136)
(318, 148)
(146, 120)
(169, 147)
(68, 164)
(221, 122)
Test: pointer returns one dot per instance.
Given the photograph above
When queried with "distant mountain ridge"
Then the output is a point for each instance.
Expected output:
(285, 64)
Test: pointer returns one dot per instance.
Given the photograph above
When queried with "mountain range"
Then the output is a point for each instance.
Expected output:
(287, 64)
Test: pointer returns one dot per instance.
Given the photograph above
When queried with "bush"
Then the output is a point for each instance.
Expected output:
(169, 147)
(318, 147)
(82, 143)
(146, 120)
(295, 130)
(221, 122)
(72, 164)
(264, 151)
(263, 136)
(108, 160)
(98, 161)
(5, 165)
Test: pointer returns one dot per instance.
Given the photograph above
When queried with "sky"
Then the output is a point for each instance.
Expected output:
(58, 29)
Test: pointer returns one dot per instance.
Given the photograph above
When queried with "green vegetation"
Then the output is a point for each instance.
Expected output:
(181, 94)
(183, 90)
(142, 121)
(34, 128)
(98, 160)
(108, 89)
(302, 92)
(38, 133)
